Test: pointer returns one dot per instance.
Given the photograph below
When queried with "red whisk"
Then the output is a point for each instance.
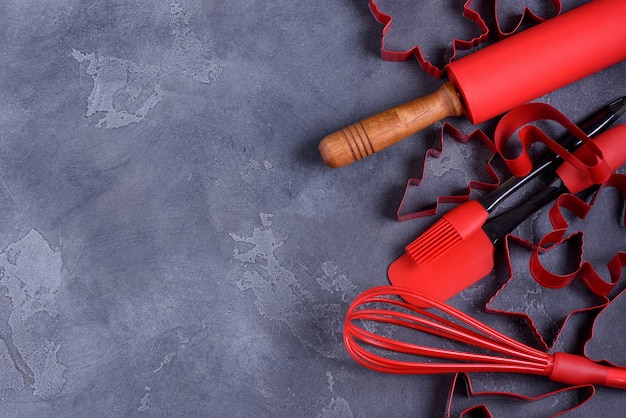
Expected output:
(496, 352)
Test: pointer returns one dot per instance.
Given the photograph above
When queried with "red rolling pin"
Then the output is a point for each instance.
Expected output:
(497, 78)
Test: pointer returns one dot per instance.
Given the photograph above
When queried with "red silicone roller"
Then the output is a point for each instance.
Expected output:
(540, 59)
(497, 78)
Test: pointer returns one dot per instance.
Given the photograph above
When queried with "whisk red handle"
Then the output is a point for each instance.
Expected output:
(577, 370)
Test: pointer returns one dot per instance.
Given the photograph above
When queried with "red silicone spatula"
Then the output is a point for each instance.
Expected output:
(458, 250)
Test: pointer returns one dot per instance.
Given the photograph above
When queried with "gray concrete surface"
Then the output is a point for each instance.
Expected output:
(172, 244)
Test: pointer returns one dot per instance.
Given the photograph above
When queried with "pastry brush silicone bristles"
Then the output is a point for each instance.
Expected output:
(438, 239)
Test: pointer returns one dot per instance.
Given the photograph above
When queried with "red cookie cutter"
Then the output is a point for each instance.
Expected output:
(585, 271)
(416, 52)
(448, 130)
(553, 400)
(386, 19)
(609, 319)
(572, 296)
(527, 14)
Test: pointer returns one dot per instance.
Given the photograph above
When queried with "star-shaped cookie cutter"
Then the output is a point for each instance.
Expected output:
(484, 399)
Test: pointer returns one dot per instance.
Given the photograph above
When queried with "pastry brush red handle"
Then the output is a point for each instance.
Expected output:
(457, 251)
(612, 145)
(450, 256)
(577, 370)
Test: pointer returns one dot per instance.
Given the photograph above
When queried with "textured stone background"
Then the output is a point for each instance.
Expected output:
(172, 245)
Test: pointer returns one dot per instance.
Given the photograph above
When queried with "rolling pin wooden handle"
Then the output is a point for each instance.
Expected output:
(384, 129)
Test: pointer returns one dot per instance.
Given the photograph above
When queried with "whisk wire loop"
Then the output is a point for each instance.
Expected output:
(439, 330)
(511, 355)
(444, 328)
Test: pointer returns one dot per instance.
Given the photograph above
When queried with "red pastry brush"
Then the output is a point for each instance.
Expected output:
(458, 250)
(490, 350)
